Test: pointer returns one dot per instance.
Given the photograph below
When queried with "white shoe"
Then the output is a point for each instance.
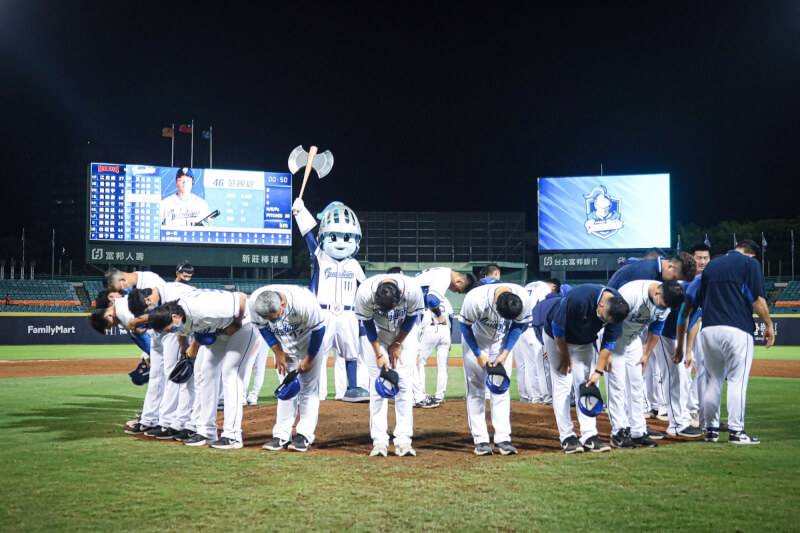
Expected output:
(379, 450)
(252, 401)
(404, 450)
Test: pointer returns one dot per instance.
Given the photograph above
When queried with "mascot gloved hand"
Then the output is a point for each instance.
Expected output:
(335, 277)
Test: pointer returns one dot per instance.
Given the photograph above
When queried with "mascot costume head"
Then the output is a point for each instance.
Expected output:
(339, 231)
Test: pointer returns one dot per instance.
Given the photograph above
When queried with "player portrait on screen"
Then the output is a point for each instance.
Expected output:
(184, 208)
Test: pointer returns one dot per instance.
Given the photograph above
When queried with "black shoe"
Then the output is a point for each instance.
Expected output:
(184, 434)
(163, 433)
(740, 437)
(690, 432)
(655, 435)
(275, 444)
(427, 403)
(197, 440)
(723, 427)
(712, 435)
(299, 443)
(226, 443)
(138, 429)
(644, 442)
(594, 444)
(571, 445)
(621, 439)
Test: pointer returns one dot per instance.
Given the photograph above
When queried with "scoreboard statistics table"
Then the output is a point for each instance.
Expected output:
(138, 204)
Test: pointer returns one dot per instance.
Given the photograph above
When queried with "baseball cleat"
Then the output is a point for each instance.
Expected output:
(712, 435)
(427, 403)
(404, 450)
(740, 437)
(275, 444)
(153, 431)
(622, 439)
(723, 426)
(655, 435)
(379, 450)
(137, 429)
(571, 445)
(505, 448)
(197, 440)
(483, 448)
(594, 444)
(690, 432)
(184, 434)
(664, 417)
(166, 433)
(299, 443)
(644, 442)
(356, 395)
(226, 443)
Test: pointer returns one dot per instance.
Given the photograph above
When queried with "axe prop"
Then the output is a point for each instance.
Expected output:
(322, 163)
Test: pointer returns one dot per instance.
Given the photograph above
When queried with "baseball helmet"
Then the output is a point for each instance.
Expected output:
(590, 401)
(184, 369)
(497, 380)
(387, 384)
(141, 374)
(205, 338)
(290, 387)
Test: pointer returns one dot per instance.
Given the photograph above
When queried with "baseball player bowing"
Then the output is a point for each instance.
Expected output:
(649, 302)
(166, 347)
(569, 340)
(389, 305)
(224, 342)
(292, 323)
(492, 318)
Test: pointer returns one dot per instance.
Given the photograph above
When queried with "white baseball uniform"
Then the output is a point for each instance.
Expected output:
(433, 336)
(293, 331)
(178, 212)
(533, 377)
(479, 314)
(334, 283)
(211, 311)
(624, 381)
(388, 326)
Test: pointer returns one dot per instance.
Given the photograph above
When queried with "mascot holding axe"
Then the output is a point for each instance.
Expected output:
(336, 276)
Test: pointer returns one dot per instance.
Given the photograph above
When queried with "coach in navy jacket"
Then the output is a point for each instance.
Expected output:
(731, 289)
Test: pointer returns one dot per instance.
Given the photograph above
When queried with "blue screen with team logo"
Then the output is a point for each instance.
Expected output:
(604, 212)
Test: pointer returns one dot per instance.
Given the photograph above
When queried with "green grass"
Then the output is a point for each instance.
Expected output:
(108, 351)
(67, 465)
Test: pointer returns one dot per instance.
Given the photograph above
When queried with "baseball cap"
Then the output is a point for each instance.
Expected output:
(185, 171)
(185, 266)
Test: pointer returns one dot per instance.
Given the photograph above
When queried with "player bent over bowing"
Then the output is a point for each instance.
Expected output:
(292, 323)
(224, 343)
(389, 305)
(492, 319)
(570, 334)
(650, 303)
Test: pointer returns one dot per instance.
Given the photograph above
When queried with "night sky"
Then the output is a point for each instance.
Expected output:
(427, 109)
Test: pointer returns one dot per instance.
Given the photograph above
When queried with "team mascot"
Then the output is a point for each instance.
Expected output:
(336, 276)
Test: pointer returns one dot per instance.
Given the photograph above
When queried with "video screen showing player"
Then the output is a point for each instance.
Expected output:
(183, 207)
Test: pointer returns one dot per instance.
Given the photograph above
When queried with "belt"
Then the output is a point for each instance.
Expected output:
(343, 307)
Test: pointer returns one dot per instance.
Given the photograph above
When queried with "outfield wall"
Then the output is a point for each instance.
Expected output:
(54, 328)
(65, 328)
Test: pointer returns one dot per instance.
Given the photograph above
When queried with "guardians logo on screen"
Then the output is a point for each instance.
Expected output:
(603, 213)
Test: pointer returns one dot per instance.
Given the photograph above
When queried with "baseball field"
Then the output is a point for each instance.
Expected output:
(67, 465)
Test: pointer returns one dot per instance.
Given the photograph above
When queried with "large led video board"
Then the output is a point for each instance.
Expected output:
(131, 203)
(604, 212)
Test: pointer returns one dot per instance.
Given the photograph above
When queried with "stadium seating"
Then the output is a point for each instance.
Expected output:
(39, 295)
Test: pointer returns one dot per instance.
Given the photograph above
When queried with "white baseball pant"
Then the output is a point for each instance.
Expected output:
(475, 378)
(624, 384)
(582, 356)
(727, 354)
(403, 402)
(434, 337)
